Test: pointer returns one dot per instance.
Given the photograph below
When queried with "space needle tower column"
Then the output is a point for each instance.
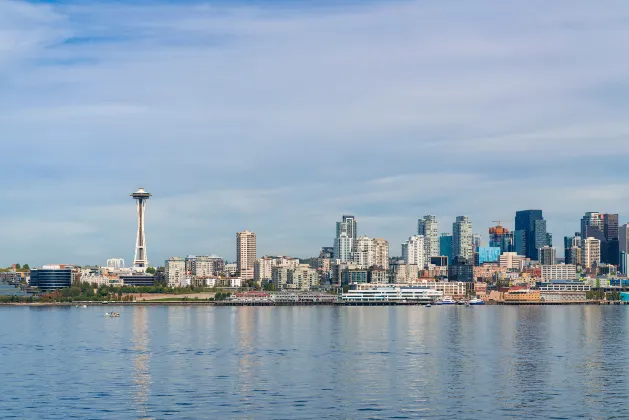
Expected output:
(140, 260)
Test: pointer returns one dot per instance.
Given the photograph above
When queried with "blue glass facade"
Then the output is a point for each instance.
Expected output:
(445, 246)
(51, 278)
(138, 280)
(488, 254)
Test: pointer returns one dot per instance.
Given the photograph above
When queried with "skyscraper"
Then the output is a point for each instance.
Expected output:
(345, 239)
(428, 227)
(445, 246)
(623, 246)
(500, 237)
(246, 254)
(532, 233)
(462, 238)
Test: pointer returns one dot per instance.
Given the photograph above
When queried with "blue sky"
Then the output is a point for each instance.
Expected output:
(279, 117)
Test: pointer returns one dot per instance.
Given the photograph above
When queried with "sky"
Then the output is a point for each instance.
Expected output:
(280, 116)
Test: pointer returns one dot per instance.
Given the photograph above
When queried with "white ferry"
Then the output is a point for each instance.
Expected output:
(476, 301)
(447, 300)
(393, 294)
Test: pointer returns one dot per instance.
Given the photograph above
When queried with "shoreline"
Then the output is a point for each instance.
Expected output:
(271, 304)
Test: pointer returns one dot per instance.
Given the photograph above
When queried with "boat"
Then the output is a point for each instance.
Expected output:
(476, 301)
(84, 306)
(428, 305)
(460, 302)
(112, 314)
(447, 300)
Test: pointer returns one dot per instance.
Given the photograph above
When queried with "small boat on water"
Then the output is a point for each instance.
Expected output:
(476, 301)
(447, 300)
(112, 314)
(428, 305)
(84, 306)
(461, 302)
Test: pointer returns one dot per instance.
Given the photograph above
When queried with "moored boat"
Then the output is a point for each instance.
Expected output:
(476, 301)
(447, 300)
(112, 314)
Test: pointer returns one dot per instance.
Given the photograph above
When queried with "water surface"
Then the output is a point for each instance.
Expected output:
(314, 362)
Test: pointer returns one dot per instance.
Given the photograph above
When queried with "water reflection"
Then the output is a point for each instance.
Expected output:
(141, 365)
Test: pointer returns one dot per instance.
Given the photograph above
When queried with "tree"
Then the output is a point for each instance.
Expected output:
(151, 270)
(18, 266)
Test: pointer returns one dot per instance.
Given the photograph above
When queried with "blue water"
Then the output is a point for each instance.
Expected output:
(314, 362)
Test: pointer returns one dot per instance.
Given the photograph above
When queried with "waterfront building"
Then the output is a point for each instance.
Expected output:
(532, 233)
(381, 249)
(591, 252)
(512, 261)
(52, 277)
(462, 238)
(445, 246)
(245, 254)
(516, 294)
(175, 271)
(547, 255)
(203, 267)
(392, 294)
(559, 272)
(428, 227)
(413, 251)
(345, 238)
(140, 259)
(303, 278)
(488, 255)
(365, 252)
(449, 288)
(279, 277)
(461, 269)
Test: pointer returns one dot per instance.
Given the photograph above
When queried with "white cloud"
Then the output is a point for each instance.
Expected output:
(279, 119)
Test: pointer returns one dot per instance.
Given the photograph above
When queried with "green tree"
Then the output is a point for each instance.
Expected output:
(151, 270)
(18, 266)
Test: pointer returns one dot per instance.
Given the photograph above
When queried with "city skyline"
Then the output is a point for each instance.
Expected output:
(389, 125)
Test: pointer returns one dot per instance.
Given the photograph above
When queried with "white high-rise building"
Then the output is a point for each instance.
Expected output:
(428, 227)
(175, 271)
(381, 249)
(512, 261)
(365, 252)
(203, 267)
(462, 238)
(345, 236)
(246, 254)
(343, 247)
(591, 252)
(413, 251)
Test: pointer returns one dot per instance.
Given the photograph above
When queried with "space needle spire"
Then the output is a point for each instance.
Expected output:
(140, 260)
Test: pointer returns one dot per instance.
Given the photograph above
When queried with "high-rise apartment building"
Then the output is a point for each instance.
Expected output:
(559, 272)
(413, 251)
(246, 254)
(462, 238)
(381, 250)
(568, 243)
(547, 255)
(623, 245)
(175, 271)
(364, 254)
(428, 227)
(345, 239)
(531, 233)
(575, 255)
(591, 252)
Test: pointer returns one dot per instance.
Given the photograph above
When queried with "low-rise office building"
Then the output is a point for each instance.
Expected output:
(52, 277)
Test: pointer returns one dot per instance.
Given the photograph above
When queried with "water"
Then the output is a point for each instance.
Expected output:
(314, 362)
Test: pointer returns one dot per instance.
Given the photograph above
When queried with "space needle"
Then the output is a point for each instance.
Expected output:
(140, 260)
